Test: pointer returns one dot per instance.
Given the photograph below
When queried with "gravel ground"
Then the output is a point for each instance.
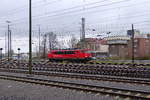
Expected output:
(12, 90)
(94, 82)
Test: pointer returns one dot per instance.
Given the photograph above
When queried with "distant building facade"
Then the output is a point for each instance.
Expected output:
(118, 46)
(98, 47)
(121, 46)
(141, 47)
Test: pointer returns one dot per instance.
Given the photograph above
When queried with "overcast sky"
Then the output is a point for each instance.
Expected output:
(64, 17)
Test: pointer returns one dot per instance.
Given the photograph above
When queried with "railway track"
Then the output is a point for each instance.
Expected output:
(77, 71)
(83, 76)
(87, 63)
(87, 71)
(126, 93)
(112, 70)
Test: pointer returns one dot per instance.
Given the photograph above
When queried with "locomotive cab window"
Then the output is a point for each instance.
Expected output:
(64, 52)
(69, 52)
(58, 52)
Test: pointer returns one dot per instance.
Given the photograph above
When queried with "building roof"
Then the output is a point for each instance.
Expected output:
(96, 40)
(117, 38)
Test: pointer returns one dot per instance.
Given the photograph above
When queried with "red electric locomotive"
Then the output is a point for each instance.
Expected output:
(69, 55)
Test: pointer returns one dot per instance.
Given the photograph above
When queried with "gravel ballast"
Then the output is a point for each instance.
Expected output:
(12, 90)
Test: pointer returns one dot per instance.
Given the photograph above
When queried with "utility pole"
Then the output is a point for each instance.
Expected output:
(83, 32)
(50, 40)
(30, 36)
(80, 33)
(8, 40)
(83, 28)
(132, 44)
(5, 43)
(39, 39)
(8, 43)
(44, 52)
(10, 33)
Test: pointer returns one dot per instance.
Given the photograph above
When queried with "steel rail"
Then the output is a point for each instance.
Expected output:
(82, 87)
(88, 63)
(84, 76)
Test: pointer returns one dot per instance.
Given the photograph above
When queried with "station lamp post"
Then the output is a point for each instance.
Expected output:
(1, 53)
(19, 54)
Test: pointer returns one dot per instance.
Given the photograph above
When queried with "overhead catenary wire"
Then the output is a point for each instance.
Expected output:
(61, 14)
(113, 19)
(75, 11)
(23, 8)
(47, 3)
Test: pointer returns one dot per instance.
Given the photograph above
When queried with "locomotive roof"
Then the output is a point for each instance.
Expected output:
(68, 49)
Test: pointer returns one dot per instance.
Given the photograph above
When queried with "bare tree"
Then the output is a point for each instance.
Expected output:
(43, 46)
(49, 42)
(52, 40)
(73, 42)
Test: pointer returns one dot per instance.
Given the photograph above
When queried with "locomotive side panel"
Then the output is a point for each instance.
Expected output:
(69, 55)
